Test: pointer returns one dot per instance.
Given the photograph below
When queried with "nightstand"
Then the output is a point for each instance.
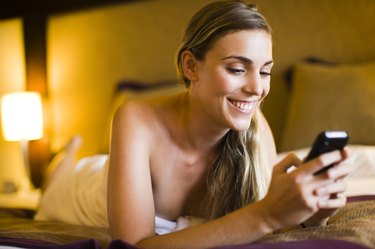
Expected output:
(23, 199)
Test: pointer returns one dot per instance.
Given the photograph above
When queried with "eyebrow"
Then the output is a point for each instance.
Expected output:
(245, 59)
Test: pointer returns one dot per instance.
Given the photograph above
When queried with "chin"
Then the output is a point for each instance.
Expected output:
(239, 120)
(241, 125)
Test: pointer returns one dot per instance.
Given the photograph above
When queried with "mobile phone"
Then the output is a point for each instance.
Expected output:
(327, 141)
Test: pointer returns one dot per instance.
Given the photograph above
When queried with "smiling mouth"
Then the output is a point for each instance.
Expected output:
(245, 106)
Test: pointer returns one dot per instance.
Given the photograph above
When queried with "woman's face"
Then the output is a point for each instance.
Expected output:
(234, 77)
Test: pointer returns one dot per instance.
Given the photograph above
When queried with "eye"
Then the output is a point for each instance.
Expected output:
(236, 71)
(265, 71)
(265, 74)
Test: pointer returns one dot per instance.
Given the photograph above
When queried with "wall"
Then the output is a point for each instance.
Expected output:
(90, 51)
(12, 78)
(341, 31)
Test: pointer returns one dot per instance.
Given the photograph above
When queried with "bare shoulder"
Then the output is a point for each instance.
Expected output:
(141, 122)
(132, 134)
(150, 113)
(136, 115)
(134, 111)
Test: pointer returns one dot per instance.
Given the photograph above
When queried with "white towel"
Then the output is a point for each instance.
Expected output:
(163, 226)
(78, 196)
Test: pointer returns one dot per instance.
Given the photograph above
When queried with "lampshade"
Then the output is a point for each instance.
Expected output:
(22, 116)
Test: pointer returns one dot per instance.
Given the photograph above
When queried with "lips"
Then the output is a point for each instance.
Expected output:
(245, 106)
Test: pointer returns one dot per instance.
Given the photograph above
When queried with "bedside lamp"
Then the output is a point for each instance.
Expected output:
(22, 120)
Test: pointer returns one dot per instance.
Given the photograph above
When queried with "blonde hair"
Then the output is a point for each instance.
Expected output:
(239, 175)
(241, 172)
(214, 21)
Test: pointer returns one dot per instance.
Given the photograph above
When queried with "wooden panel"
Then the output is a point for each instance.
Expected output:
(34, 29)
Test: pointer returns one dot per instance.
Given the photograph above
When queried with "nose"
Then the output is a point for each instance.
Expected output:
(253, 85)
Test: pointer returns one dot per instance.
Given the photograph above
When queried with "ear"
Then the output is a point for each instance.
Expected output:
(190, 66)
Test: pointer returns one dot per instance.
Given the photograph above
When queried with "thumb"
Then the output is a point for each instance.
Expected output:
(291, 159)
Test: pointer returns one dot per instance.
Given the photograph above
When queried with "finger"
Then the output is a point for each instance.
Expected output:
(333, 188)
(338, 202)
(320, 162)
(333, 174)
(342, 170)
(291, 159)
(345, 153)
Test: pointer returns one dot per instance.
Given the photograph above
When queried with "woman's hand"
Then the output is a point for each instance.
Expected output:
(333, 193)
(295, 197)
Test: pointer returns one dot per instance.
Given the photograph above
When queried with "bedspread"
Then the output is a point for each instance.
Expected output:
(19, 226)
(352, 227)
(355, 223)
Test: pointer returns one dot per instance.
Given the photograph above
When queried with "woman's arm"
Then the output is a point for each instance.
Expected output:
(242, 226)
(131, 209)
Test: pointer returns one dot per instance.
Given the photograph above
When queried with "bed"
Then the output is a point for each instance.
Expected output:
(352, 227)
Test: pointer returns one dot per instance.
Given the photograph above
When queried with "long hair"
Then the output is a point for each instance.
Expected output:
(240, 172)
(239, 175)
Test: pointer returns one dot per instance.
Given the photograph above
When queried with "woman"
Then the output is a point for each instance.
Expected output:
(206, 153)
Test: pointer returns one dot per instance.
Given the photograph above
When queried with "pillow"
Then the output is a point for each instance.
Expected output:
(330, 97)
(127, 90)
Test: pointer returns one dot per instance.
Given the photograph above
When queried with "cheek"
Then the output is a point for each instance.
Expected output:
(266, 88)
(224, 84)
(216, 82)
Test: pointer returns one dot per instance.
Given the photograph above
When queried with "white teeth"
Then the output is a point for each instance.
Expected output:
(245, 106)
